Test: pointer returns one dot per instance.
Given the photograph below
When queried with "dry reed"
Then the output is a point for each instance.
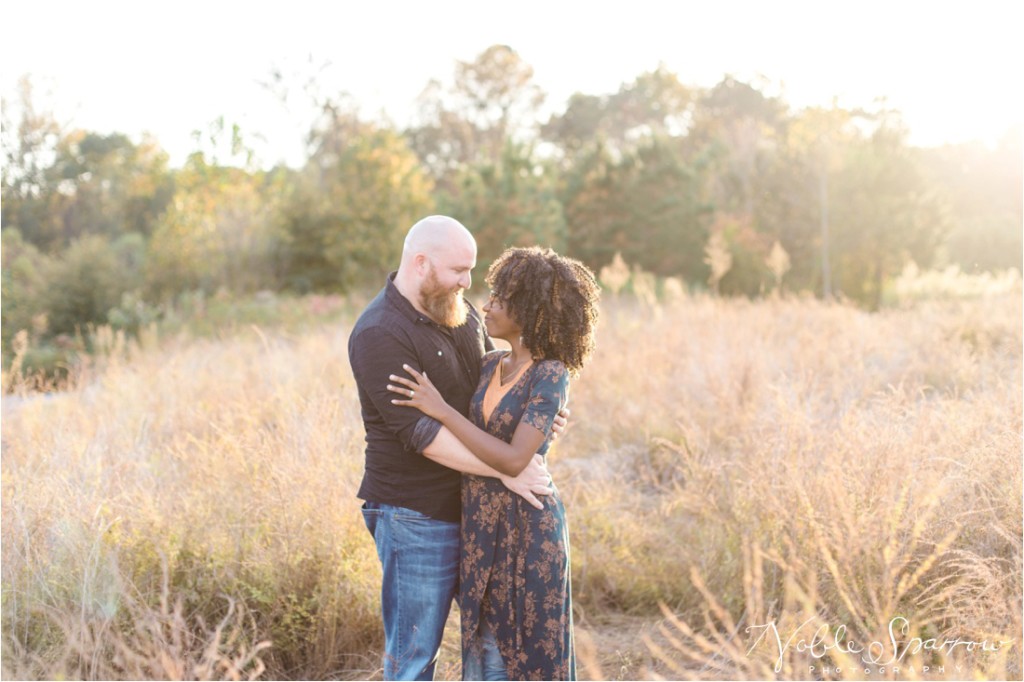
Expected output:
(728, 464)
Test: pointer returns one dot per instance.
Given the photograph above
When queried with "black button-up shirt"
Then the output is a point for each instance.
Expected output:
(390, 333)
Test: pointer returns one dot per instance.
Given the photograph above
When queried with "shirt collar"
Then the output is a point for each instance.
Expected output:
(401, 303)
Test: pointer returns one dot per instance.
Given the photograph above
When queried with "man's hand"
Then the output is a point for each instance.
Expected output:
(561, 421)
(532, 481)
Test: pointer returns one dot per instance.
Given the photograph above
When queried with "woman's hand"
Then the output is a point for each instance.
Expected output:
(533, 481)
(561, 422)
(420, 392)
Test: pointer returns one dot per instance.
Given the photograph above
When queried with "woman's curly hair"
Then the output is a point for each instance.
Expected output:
(553, 298)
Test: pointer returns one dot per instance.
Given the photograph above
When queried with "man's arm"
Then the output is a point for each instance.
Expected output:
(373, 354)
(448, 451)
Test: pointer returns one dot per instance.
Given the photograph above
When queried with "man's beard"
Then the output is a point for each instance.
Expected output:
(446, 307)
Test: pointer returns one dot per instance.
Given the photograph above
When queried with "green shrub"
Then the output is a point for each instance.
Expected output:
(88, 280)
(22, 285)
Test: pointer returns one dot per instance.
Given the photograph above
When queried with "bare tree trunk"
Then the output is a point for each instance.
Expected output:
(876, 298)
(826, 271)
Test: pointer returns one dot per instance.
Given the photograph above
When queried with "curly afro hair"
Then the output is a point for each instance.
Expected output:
(553, 298)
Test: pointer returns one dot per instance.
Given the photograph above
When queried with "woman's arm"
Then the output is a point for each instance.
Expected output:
(508, 458)
(449, 451)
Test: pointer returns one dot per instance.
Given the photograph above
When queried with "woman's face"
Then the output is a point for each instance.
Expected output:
(497, 321)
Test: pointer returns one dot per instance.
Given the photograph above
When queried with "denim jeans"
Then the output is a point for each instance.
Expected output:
(490, 665)
(420, 560)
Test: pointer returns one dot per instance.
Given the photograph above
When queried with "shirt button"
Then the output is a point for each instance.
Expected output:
(440, 353)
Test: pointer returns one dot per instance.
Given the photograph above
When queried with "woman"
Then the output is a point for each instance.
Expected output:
(514, 574)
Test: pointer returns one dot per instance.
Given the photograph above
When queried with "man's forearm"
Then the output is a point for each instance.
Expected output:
(447, 450)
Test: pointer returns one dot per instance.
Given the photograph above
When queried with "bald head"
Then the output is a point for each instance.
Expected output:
(433, 235)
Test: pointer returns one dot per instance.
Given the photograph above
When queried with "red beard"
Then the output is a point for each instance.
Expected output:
(446, 307)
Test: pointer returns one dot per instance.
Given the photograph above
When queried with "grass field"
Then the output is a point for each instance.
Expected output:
(186, 508)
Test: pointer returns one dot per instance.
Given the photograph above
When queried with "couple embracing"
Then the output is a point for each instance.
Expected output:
(456, 492)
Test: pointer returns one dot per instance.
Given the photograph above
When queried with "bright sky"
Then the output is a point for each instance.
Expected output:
(952, 68)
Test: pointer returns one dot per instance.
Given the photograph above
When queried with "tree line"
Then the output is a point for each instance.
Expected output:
(726, 187)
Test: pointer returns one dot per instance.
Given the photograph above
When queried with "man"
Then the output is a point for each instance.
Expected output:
(411, 485)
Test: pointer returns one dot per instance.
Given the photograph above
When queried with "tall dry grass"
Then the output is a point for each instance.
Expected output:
(800, 459)
(729, 464)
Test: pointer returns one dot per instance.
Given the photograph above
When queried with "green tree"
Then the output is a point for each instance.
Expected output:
(793, 189)
(88, 280)
(644, 205)
(347, 212)
(848, 200)
(30, 143)
(885, 213)
(24, 269)
(219, 230)
(492, 100)
(512, 203)
(60, 185)
(734, 133)
(112, 185)
(655, 103)
(749, 249)
(593, 199)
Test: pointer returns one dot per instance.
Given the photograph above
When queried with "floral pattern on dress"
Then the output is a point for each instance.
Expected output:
(514, 569)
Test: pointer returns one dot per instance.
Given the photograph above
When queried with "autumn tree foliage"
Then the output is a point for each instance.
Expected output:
(829, 200)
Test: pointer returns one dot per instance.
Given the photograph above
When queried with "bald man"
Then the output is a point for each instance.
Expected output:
(412, 481)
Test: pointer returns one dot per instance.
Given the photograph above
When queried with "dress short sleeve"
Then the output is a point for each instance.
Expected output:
(549, 392)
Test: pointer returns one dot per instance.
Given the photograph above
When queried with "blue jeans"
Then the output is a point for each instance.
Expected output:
(420, 560)
(490, 665)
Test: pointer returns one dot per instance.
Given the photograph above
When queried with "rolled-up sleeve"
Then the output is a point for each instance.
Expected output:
(424, 433)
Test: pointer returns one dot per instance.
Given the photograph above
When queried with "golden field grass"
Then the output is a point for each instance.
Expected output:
(186, 508)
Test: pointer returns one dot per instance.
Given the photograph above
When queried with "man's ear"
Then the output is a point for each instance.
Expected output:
(422, 264)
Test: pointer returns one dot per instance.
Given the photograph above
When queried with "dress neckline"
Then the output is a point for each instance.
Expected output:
(502, 382)
(496, 391)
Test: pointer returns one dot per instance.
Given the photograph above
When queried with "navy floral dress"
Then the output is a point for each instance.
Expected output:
(514, 571)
